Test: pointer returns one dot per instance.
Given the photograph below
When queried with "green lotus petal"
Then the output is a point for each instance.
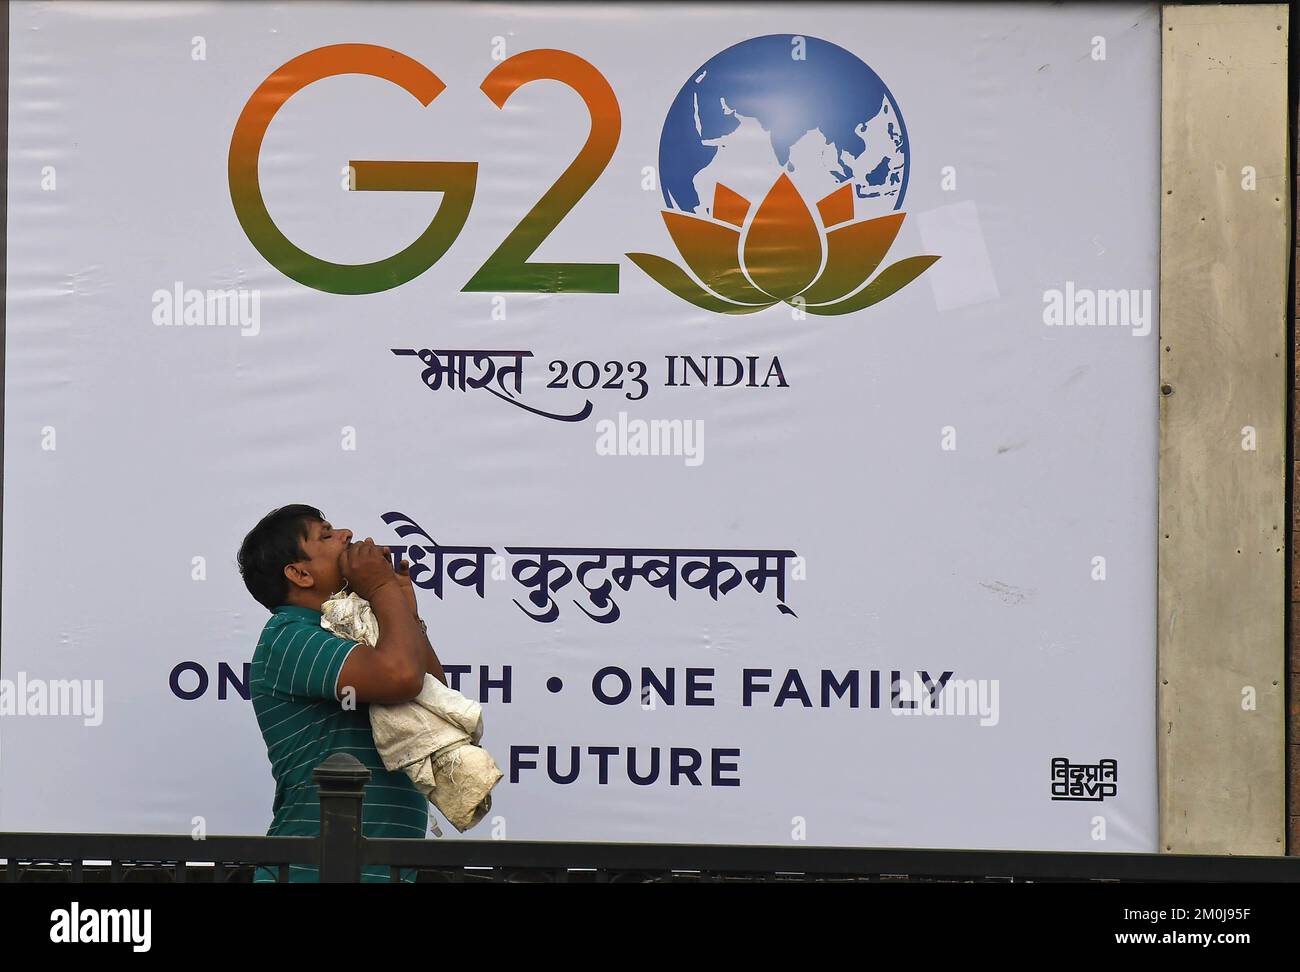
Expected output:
(853, 252)
(673, 278)
(712, 251)
(892, 279)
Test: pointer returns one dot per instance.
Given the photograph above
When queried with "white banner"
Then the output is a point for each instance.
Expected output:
(789, 370)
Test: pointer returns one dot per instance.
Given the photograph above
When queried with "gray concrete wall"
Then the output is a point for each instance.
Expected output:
(1224, 334)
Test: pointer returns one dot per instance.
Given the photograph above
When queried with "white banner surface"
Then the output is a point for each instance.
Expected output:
(787, 373)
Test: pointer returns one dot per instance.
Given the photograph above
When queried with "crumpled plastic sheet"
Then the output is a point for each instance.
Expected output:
(433, 738)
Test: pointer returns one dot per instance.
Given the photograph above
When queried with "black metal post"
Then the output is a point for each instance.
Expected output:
(342, 781)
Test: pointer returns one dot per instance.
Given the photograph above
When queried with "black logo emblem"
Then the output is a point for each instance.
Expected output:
(1084, 781)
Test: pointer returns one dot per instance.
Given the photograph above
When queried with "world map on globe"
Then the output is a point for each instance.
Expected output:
(784, 103)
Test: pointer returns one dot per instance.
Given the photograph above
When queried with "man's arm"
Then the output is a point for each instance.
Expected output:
(431, 663)
(393, 670)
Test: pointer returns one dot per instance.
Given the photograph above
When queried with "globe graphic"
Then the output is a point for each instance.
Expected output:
(784, 103)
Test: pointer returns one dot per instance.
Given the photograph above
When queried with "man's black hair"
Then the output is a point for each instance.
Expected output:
(272, 545)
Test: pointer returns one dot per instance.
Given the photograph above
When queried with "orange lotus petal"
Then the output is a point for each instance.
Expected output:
(891, 280)
(713, 252)
(673, 278)
(783, 248)
(729, 205)
(852, 254)
(837, 207)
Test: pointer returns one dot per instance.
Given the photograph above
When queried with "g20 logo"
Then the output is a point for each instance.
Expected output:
(834, 132)
(507, 269)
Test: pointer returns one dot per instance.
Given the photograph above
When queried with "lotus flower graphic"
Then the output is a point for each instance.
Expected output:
(782, 254)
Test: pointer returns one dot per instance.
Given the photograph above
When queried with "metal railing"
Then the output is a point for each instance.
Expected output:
(341, 851)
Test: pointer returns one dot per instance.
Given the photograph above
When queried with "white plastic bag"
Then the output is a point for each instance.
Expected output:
(433, 738)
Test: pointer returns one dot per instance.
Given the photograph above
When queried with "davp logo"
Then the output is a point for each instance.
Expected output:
(786, 116)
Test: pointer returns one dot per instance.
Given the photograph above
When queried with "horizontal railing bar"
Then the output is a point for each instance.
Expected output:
(159, 847)
(1038, 865)
(663, 858)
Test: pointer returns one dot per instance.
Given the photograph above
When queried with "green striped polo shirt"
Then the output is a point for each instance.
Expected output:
(294, 685)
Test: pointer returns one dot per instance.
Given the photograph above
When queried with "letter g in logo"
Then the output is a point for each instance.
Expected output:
(455, 180)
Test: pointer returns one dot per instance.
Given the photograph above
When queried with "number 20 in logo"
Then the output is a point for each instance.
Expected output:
(507, 269)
